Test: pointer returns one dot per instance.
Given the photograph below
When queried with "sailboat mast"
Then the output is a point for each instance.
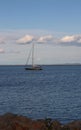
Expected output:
(34, 67)
(32, 54)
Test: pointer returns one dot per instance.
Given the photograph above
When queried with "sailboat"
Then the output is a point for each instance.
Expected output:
(33, 66)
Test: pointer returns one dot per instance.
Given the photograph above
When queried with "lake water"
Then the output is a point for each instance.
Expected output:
(54, 92)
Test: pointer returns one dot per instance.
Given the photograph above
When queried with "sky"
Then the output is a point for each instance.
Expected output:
(54, 26)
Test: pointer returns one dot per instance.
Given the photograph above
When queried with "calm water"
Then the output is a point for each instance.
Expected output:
(54, 92)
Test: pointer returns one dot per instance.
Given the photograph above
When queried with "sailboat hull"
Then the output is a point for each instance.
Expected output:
(33, 68)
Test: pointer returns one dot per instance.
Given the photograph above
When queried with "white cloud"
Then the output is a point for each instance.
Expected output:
(74, 40)
(29, 38)
(67, 39)
(45, 39)
(25, 39)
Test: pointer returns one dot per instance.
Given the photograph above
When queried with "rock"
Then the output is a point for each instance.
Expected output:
(38, 125)
(75, 125)
(11, 121)
(56, 125)
(14, 122)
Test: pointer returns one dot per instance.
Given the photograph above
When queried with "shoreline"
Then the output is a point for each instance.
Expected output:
(10, 121)
(64, 64)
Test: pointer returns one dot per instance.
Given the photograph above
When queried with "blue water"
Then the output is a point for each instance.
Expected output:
(54, 92)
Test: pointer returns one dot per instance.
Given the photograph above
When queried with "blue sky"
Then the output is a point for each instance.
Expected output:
(54, 25)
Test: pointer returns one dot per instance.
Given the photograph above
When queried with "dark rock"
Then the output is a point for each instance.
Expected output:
(56, 125)
(15, 122)
(75, 125)
(48, 123)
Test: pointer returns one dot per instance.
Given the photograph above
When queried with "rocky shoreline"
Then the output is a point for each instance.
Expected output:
(11, 121)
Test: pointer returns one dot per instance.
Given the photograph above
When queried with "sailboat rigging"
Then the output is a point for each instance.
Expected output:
(33, 66)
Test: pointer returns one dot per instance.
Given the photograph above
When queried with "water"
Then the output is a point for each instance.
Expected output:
(54, 92)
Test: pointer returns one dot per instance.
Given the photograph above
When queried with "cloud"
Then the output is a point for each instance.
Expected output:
(26, 39)
(73, 40)
(45, 39)
(68, 39)
(2, 40)
(23, 38)
(7, 38)
(38, 39)
(2, 50)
